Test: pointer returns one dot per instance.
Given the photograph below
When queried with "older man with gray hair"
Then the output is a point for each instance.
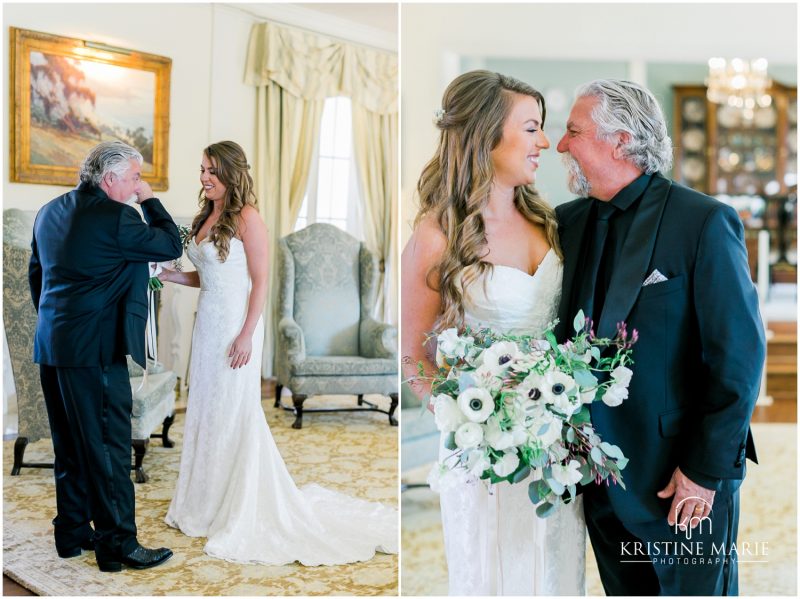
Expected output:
(88, 277)
(671, 263)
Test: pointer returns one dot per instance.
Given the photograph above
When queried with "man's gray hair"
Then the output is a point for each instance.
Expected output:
(108, 157)
(629, 107)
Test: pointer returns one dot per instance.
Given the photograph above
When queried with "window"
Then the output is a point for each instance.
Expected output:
(332, 194)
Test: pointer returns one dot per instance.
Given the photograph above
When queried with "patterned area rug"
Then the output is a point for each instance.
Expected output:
(768, 516)
(350, 452)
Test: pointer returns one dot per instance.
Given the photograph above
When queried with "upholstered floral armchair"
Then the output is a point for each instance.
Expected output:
(327, 341)
(153, 398)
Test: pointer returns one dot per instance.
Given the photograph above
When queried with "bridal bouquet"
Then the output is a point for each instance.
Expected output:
(515, 407)
(155, 283)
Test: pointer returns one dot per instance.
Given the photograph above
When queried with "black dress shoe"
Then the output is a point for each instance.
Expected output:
(139, 559)
(87, 545)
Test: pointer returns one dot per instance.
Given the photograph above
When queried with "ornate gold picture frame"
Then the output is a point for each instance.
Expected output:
(67, 95)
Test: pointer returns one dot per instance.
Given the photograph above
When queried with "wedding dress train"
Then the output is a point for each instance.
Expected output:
(495, 543)
(233, 486)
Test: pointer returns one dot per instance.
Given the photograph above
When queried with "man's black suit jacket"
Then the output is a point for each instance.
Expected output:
(88, 276)
(701, 348)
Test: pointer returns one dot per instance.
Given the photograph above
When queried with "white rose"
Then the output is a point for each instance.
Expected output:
(451, 344)
(447, 414)
(555, 384)
(507, 464)
(569, 474)
(476, 404)
(469, 435)
(622, 375)
(497, 438)
(478, 462)
(615, 395)
(499, 356)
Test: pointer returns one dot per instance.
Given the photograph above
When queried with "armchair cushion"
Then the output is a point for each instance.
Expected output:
(344, 366)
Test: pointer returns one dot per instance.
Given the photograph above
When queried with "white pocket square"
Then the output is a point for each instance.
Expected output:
(653, 278)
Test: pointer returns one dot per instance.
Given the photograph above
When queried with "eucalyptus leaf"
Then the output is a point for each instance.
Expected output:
(585, 378)
(595, 351)
(537, 491)
(570, 435)
(622, 462)
(571, 489)
(450, 442)
(521, 474)
(545, 509)
(611, 451)
(597, 455)
(579, 322)
(586, 471)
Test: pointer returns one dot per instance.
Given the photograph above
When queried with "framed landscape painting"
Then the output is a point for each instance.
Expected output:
(69, 95)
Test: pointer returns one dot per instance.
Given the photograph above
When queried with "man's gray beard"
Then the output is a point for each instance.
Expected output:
(576, 181)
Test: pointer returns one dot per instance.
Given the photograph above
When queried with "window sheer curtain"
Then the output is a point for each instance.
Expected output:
(294, 71)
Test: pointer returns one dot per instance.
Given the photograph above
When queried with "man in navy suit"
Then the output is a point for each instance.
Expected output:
(88, 277)
(671, 263)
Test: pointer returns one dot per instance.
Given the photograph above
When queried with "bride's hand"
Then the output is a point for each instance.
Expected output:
(166, 275)
(241, 349)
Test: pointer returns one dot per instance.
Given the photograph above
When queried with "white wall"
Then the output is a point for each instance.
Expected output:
(435, 35)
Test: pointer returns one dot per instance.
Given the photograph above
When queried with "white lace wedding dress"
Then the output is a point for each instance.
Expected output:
(233, 486)
(495, 543)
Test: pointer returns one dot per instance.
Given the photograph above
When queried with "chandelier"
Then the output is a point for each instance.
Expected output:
(739, 83)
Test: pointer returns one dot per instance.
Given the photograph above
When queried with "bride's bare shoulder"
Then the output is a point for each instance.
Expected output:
(428, 242)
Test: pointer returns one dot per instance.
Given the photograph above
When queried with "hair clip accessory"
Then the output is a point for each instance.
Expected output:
(438, 115)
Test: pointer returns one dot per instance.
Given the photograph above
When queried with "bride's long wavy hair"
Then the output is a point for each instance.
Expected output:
(230, 164)
(455, 184)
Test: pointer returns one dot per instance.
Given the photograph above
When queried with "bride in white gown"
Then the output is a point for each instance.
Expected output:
(233, 486)
(485, 252)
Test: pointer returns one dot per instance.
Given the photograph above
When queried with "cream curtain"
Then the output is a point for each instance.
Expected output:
(295, 71)
(375, 143)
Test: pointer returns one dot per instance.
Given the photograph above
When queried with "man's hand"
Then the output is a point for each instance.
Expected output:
(143, 192)
(691, 502)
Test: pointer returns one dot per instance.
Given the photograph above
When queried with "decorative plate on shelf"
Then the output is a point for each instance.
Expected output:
(694, 110)
(729, 117)
(765, 118)
(694, 140)
(693, 170)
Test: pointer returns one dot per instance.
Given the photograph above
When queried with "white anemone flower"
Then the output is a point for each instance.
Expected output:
(476, 404)
(469, 435)
(567, 474)
(499, 356)
(447, 414)
(555, 384)
(507, 464)
(531, 387)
